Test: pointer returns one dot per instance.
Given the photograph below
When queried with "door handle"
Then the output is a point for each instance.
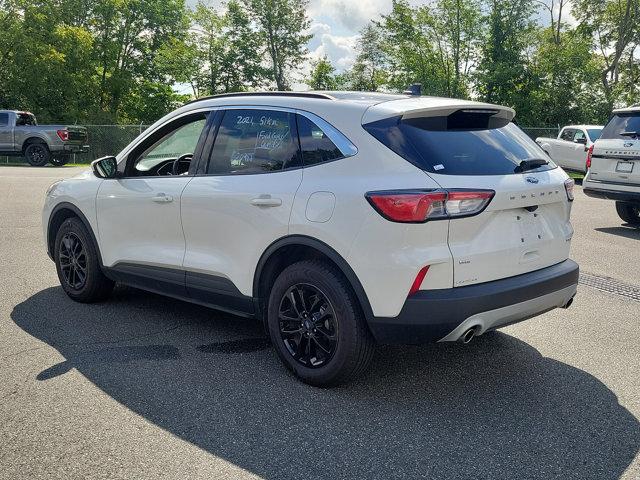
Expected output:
(162, 198)
(266, 201)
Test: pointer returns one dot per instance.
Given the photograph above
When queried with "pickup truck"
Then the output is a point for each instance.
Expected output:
(572, 147)
(20, 135)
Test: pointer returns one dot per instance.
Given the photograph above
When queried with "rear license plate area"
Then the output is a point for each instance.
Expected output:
(530, 228)
(624, 167)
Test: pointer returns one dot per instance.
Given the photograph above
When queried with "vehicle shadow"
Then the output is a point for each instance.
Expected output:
(626, 231)
(495, 408)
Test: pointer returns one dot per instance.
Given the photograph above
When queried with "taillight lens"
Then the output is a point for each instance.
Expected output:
(589, 155)
(63, 134)
(419, 206)
(568, 186)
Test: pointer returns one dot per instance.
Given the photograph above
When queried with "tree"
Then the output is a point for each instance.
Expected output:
(322, 75)
(368, 72)
(503, 75)
(280, 25)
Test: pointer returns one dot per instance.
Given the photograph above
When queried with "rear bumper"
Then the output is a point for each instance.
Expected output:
(618, 195)
(66, 148)
(443, 315)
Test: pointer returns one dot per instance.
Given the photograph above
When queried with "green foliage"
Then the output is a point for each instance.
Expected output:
(280, 26)
(322, 75)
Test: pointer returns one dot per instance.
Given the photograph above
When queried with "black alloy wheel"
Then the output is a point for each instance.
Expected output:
(308, 325)
(73, 261)
(37, 154)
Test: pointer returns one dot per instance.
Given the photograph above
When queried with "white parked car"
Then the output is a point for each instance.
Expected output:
(340, 220)
(614, 167)
(572, 147)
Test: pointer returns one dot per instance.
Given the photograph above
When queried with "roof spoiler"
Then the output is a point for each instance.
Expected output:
(433, 107)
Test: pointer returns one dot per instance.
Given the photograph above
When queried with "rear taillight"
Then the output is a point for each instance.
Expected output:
(63, 134)
(589, 155)
(568, 186)
(419, 206)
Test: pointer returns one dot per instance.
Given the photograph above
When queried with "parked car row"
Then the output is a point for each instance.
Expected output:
(610, 157)
(20, 135)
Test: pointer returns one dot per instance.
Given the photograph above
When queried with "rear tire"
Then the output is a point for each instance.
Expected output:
(316, 325)
(37, 154)
(629, 212)
(78, 265)
(59, 161)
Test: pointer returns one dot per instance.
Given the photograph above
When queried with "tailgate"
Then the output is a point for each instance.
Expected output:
(525, 227)
(616, 162)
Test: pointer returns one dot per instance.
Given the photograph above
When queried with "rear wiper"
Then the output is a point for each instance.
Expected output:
(530, 164)
(630, 134)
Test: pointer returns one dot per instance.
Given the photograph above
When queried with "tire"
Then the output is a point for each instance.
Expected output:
(74, 241)
(37, 154)
(629, 212)
(59, 161)
(327, 296)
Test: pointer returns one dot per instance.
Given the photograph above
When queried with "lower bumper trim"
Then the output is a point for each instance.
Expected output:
(433, 315)
(618, 195)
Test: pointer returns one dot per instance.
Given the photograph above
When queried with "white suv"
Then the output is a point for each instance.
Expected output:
(614, 165)
(340, 220)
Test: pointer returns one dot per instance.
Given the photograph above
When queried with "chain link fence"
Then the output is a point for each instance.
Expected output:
(111, 139)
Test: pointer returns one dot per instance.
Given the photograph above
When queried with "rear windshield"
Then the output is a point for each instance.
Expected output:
(622, 125)
(594, 133)
(432, 145)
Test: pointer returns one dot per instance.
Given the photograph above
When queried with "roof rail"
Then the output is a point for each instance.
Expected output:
(322, 96)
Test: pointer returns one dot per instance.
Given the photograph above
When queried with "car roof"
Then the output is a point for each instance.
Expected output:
(632, 108)
(377, 105)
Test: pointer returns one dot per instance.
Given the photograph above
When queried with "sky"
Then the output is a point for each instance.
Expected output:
(335, 25)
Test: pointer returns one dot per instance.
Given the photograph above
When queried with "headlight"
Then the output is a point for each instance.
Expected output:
(51, 187)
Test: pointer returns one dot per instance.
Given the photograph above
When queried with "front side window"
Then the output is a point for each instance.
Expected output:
(4, 119)
(157, 154)
(254, 141)
(567, 134)
(315, 145)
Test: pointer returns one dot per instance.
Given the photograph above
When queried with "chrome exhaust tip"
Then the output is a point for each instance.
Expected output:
(467, 336)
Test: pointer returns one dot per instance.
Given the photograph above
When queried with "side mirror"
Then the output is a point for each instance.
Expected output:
(105, 167)
(582, 140)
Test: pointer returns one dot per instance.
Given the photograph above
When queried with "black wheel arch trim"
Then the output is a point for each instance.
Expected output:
(78, 213)
(335, 257)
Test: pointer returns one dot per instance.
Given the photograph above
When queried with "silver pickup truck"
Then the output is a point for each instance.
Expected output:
(20, 135)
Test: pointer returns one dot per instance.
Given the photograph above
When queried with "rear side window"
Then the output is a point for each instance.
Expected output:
(254, 141)
(452, 147)
(4, 119)
(622, 125)
(316, 147)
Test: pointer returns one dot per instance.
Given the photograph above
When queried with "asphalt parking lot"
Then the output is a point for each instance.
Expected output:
(148, 387)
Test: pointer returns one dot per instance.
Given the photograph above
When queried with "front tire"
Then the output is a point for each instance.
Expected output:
(629, 212)
(316, 325)
(78, 265)
(37, 154)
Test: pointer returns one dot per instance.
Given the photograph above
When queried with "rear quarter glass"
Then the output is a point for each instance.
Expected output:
(434, 147)
(620, 123)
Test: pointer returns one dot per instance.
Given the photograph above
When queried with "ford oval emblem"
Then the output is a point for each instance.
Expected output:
(628, 144)
(532, 179)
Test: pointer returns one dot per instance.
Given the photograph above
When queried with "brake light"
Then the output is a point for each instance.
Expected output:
(63, 134)
(589, 155)
(419, 206)
(568, 186)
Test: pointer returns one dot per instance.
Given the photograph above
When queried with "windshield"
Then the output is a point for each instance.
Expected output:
(622, 123)
(594, 133)
(461, 151)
